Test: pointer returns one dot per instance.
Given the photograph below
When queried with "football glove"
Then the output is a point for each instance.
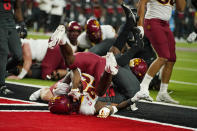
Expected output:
(22, 30)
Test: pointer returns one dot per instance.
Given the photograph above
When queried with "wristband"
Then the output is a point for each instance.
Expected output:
(22, 73)
(115, 109)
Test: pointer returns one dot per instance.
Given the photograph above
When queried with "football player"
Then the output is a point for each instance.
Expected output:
(101, 68)
(95, 33)
(52, 63)
(156, 27)
(10, 41)
(88, 104)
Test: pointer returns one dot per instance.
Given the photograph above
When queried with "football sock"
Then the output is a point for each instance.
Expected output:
(145, 82)
(163, 87)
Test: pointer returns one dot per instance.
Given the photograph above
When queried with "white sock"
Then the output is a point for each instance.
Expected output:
(35, 95)
(163, 88)
(145, 82)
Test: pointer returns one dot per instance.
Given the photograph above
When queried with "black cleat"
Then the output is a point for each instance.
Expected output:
(5, 91)
(131, 18)
(131, 24)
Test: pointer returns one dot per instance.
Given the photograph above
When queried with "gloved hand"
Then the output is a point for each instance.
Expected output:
(140, 31)
(104, 112)
(22, 30)
(61, 89)
(76, 94)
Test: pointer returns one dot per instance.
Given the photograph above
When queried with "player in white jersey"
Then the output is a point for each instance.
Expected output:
(33, 50)
(88, 104)
(50, 59)
(156, 28)
(95, 33)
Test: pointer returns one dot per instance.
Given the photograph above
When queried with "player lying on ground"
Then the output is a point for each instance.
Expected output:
(101, 68)
(88, 103)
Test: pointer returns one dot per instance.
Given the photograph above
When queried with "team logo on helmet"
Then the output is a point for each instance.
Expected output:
(93, 30)
(138, 67)
(74, 26)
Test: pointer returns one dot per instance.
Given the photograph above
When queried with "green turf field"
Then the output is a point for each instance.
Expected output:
(184, 77)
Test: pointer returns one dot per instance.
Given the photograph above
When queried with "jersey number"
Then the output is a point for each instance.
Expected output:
(166, 2)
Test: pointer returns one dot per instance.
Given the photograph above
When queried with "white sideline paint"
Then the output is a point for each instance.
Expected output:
(24, 104)
(24, 111)
(161, 103)
(29, 85)
(168, 104)
(182, 82)
(188, 60)
(184, 68)
(31, 102)
(154, 122)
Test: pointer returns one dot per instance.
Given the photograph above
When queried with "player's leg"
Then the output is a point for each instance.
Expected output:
(124, 30)
(15, 49)
(167, 71)
(159, 44)
(3, 56)
(51, 61)
(126, 82)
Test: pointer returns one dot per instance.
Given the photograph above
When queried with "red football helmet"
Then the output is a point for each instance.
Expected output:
(93, 30)
(74, 26)
(74, 30)
(138, 67)
(61, 105)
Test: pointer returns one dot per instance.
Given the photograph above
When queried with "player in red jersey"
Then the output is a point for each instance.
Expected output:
(156, 28)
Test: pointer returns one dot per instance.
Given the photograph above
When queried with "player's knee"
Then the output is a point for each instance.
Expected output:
(163, 60)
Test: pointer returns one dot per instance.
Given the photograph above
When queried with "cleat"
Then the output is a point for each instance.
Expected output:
(56, 36)
(142, 95)
(165, 97)
(5, 91)
(133, 107)
(35, 96)
(131, 23)
(192, 37)
(111, 64)
(130, 16)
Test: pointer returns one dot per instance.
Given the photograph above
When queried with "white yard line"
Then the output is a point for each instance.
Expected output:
(185, 68)
(161, 103)
(182, 82)
(24, 111)
(154, 122)
(187, 60)
(27, 85)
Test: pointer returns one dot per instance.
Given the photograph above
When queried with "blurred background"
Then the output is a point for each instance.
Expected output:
(45, 15)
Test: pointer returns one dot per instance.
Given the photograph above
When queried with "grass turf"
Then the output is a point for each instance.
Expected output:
(185, 72)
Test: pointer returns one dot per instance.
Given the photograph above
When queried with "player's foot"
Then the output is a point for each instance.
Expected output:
(165, 97)
(56, 36)
(131, 19)
(5, 91)
(111, 64)
(35, 96)
(192, 37)
(142, 95)
(133, 107)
